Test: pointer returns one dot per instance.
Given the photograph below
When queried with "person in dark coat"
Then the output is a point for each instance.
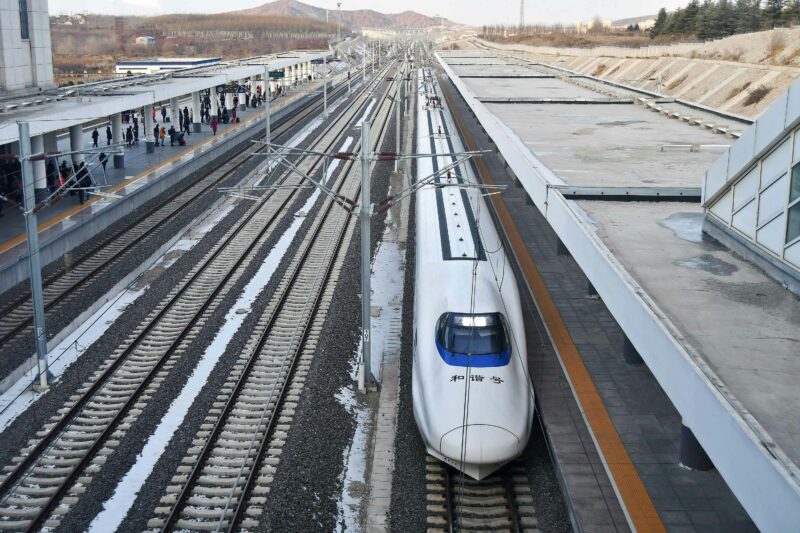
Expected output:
(135, 132)
(103, 158)
(3, 184)
(83, 181)
(155, 133)
(163, 113)
(129, 136)
(15, 180)
(171, 133)
(95, 136)
(63, 169)
(51, 171)
(109, 136)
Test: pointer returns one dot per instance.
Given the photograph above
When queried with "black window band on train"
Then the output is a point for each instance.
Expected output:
(444, 234)
(476, 340)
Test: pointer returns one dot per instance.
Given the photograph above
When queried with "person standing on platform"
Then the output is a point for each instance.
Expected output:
(51, 171)
(163, 113)
(95, 136)
(135, 132)
(109, 136)
(2, 184)
(82, 181)
(103, 158)
(162, 133)
(129, 136)
(214, 125)
(63, 170)
(155, 133)
(172, 133)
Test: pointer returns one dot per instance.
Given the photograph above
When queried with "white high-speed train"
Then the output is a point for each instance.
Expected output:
(472, 395)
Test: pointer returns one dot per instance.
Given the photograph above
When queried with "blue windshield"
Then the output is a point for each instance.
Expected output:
(473, 340)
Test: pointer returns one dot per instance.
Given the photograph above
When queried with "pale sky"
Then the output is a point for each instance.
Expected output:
(474, 12)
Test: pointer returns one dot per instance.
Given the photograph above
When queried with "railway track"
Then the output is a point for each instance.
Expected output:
(457, 503)
(223, 481)
(49, 475)
(68, 284)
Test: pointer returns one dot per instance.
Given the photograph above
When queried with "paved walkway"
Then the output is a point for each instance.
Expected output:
(137, 164)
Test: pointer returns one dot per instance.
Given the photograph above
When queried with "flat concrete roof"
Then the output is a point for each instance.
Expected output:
(603, 145)
(740, 320)
(720, 336)
(539, 87)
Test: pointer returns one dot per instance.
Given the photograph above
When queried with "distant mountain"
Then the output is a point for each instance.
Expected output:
(355, 20)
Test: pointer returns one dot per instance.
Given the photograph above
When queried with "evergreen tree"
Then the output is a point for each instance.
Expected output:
(792, 12)
(660, 24)
(773, 13)
(748, 16)
(727, 18)
(688, 23)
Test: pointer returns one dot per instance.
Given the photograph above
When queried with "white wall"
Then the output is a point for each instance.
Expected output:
(747, 189)
(25, 63)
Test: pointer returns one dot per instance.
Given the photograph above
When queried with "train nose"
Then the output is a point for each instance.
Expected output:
(483, 444)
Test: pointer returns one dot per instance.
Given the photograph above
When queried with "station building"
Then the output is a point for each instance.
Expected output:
(26, 61)
(162, 64)
(752, 193)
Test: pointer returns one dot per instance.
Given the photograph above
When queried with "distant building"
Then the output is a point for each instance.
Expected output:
(596, 24)
(162, 64)
(645, 23)
(26, 61)
(146, 40)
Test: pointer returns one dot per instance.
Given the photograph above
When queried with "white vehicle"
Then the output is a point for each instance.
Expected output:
(473, 398)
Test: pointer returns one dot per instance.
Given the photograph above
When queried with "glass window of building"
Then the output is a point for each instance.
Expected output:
(793, 224)
(794, 194)
(23, 19)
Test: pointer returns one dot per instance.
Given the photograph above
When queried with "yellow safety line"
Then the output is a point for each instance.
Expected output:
(635, 497)
(19, 239)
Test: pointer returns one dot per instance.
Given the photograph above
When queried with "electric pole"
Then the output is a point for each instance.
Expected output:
(34, 260)
(339, 24)
(521, 14)
(365, 376)
(267, 118)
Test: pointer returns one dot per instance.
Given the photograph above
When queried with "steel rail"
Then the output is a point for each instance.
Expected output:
(284, 127)
(201, 461)
(32, 456)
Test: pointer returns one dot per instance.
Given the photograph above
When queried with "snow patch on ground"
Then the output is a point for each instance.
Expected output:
(18, 398)
(387, 280)
(117, 507)
(366, 111)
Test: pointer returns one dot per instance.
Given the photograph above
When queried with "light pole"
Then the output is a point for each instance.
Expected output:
(397, 104)
(325, 86)
(34, 260)
(339, 23)
(267, 118)
(365, 370)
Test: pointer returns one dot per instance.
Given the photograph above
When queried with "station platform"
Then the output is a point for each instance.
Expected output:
(717, 335)
(115, 185)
